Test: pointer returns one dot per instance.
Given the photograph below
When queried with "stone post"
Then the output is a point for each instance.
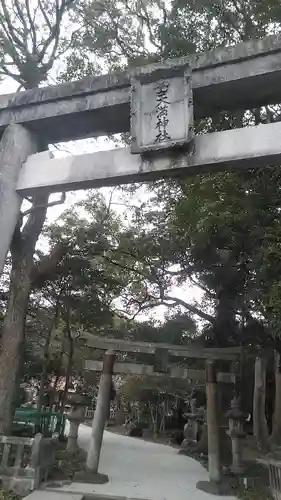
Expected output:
(16, 145)
(76, 416)
(191, 431)
(101, 415)
(236, 434)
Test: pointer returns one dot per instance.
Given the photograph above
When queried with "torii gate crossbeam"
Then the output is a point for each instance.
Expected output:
(243, 76)
(239, 148)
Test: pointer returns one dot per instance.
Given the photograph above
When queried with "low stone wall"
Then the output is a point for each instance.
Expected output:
(25, 462)
(274, 470)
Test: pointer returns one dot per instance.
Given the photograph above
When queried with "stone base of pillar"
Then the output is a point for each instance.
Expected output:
(87, 476)
(223, 488)
(238, 469)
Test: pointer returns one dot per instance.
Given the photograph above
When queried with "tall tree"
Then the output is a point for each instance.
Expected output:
(30, 42)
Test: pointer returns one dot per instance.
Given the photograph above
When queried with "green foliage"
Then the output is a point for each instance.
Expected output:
(9, 495)
(253, 494)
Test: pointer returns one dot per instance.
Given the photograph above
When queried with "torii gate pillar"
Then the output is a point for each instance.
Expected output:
(91, 474)
(16, 145)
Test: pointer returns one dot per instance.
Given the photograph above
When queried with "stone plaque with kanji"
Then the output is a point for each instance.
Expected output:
(161, 110)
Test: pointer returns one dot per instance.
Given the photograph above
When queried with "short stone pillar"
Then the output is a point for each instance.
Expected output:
(192, 429)
(236, 434)
(76, 416)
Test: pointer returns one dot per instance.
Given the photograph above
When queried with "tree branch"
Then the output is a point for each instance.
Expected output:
(32, 28)
(10, 26)
(51, 204)
(193, 309)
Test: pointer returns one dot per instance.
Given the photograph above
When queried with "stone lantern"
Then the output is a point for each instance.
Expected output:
(236, 434)
(193, 427)
(75, 416)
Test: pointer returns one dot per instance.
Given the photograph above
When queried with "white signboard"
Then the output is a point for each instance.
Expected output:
(161, 111)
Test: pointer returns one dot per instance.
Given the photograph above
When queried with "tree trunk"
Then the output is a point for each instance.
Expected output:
(12, 338)
(70, 362)
(259, 420)
(22, 249)
(275, 439)
(46, 356)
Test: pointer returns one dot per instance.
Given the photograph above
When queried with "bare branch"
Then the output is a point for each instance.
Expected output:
(11, 28)
(32, 27)
(146, 19)
(54, 33)
(191, 308)
(43, 12)
(51, 204)
(10, 46)
(7, 72)
(199, 285)
(24, 24)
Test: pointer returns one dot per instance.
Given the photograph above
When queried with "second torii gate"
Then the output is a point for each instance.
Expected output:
(161, 367)
(157, 105)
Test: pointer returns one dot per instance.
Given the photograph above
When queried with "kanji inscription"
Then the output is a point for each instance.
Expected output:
(161, 111)
(162, 105)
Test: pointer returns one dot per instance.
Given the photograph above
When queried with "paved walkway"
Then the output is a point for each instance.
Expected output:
(140, 469)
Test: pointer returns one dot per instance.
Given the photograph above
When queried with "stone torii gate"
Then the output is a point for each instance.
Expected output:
(157, 104)
(158, 101)
(161, 367)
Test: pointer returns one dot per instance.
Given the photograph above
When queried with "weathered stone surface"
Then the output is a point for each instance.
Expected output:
(75, 417)
(52, 495)
(239, 148)
(88, 476)
(101, 414)
(222, 488)
(161, 110)
(15, 146)
(246, 75)
(174, 371)
(227, 353)
(191, 431)
(21, 477)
